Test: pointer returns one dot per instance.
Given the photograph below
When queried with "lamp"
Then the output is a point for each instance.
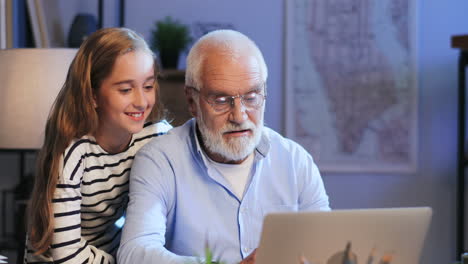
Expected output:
(30, 81)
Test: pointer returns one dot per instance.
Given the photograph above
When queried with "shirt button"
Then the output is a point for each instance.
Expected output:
(246, 249)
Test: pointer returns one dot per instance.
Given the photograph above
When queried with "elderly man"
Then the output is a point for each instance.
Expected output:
(211, 181)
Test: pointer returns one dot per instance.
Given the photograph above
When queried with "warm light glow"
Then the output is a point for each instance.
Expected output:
(29, 82)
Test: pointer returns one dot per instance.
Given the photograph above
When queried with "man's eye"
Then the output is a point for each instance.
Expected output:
(221, 100)
(149, 87)
(250, 96)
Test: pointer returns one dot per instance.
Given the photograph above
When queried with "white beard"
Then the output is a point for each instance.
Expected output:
(233, 149)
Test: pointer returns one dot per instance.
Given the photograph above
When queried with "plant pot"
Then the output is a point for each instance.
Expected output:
(169, 59)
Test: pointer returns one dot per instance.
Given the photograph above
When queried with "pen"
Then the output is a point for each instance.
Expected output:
(370, 259)
(347, 257)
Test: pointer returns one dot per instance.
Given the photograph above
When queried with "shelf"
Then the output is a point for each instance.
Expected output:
(173, 75)
(460, 42)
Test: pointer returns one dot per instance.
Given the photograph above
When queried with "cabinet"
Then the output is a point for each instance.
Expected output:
(461, 42)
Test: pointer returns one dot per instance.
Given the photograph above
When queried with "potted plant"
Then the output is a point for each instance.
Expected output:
(169, 39)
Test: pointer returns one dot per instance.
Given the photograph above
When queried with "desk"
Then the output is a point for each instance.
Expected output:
(461, 42)
(7, 239)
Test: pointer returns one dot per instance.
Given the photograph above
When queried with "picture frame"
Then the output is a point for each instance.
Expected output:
(351, 84)
(3, 26)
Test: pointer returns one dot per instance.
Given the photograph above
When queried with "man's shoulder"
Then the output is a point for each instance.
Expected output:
(278, 140)
(172, 141)
(283, 149)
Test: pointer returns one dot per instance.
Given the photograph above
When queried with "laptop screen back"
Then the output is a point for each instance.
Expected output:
(364, 236)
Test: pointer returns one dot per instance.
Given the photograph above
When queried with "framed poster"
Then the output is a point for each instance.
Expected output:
(351, 83)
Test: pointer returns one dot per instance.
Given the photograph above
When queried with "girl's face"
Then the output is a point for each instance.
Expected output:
(126, 96)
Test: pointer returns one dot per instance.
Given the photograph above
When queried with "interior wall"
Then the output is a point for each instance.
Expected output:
(260, 20)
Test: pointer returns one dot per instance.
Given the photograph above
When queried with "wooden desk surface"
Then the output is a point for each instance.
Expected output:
(460, 42)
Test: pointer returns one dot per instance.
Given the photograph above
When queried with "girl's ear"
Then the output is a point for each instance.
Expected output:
(192, 107)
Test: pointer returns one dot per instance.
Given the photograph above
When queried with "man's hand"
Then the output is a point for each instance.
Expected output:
(250, 259)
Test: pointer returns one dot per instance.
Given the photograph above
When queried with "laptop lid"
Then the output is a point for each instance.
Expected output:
(364, 236)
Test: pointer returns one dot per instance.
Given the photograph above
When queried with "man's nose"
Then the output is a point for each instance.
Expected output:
(238, 112)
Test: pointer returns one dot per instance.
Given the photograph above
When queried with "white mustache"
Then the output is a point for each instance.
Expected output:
(233, 127)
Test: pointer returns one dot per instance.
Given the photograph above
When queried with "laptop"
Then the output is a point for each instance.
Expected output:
(358, 236)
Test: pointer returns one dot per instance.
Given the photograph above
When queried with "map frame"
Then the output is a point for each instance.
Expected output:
(363, 165)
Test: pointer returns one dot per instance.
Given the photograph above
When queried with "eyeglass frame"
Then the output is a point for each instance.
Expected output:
(233, 97)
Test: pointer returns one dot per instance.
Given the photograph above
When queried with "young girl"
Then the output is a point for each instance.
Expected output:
(96, 126)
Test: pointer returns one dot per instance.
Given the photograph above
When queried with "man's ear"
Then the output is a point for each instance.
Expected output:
(192, 105)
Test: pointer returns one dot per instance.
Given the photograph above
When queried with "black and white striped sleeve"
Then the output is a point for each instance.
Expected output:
(68, 246)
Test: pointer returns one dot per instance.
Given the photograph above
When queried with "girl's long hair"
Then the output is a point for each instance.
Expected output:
(73, 116)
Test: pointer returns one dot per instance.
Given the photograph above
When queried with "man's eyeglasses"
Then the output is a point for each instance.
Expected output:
(251, 100)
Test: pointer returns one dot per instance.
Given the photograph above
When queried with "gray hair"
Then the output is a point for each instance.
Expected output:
(229, 42)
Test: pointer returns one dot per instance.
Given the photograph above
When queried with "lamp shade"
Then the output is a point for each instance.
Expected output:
(30, 80)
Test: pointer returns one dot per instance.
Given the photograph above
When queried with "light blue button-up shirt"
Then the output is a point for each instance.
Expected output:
(179, 204)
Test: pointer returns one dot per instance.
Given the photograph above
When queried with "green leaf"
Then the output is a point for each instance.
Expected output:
(208, 256)
(169, 35)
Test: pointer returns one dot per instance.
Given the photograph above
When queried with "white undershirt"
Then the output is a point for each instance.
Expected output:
(236, 174)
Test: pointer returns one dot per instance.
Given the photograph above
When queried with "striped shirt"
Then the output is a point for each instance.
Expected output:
(91, 195)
